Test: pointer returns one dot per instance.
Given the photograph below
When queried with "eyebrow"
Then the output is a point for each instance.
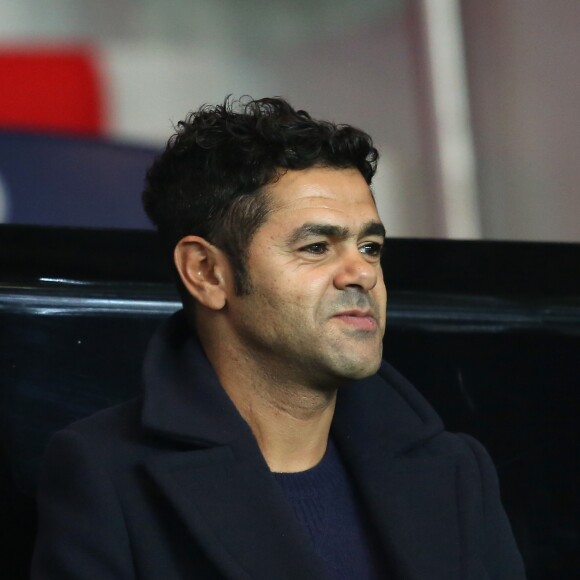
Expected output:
(374, 229)
(307, 230)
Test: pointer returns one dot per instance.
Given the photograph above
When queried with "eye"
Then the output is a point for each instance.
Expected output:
(318, 248)
(372, 249)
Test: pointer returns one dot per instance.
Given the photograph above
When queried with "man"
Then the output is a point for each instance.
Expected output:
(265, 446)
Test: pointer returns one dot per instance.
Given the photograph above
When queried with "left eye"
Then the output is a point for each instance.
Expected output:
(372, 249)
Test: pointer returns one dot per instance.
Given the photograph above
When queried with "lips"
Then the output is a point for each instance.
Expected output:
(358, 319)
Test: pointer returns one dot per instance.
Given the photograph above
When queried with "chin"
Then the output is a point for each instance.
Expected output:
(358, 369)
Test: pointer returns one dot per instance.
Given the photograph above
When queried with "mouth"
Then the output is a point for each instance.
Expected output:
(358, 319)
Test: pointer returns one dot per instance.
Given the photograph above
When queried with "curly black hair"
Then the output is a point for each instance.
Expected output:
(210, 180)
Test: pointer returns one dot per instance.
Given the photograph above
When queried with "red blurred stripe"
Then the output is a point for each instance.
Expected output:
(53, 89)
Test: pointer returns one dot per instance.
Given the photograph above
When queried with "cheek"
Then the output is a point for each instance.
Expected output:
(384, 294)
(380, 290)
(295, 287)
(285, 300)
(384, 302)
(312, 293)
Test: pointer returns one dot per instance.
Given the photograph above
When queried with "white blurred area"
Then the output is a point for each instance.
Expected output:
(472, 103)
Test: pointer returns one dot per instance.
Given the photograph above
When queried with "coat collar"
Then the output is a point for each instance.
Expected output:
(185, 401)
(183, 398)
(221, 483)
(412, 498)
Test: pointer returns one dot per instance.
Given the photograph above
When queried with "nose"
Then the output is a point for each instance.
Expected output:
(356, 271)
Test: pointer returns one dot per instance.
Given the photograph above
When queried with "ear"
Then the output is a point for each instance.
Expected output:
(202, 269)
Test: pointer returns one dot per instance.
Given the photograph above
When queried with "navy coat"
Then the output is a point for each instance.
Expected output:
(173, 486)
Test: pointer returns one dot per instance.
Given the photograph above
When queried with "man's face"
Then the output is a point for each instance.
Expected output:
(317, 304)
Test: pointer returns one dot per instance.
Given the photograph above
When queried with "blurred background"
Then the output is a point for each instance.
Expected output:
(472, 104)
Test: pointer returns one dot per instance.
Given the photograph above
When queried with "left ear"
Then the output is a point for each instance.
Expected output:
(203, 270)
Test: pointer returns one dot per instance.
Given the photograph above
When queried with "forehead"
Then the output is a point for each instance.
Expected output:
(326, 194)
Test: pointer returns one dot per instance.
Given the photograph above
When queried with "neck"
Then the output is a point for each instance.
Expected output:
(291, 426)
(289, 419)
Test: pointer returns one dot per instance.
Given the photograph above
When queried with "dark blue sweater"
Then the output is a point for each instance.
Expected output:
(326, 502)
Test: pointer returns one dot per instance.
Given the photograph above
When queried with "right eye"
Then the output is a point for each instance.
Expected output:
(318, 248)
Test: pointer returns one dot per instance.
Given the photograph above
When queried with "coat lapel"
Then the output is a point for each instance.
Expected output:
(221, 487)
(219, 483)
(414, 502)
(413, 506)
(236, 512)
